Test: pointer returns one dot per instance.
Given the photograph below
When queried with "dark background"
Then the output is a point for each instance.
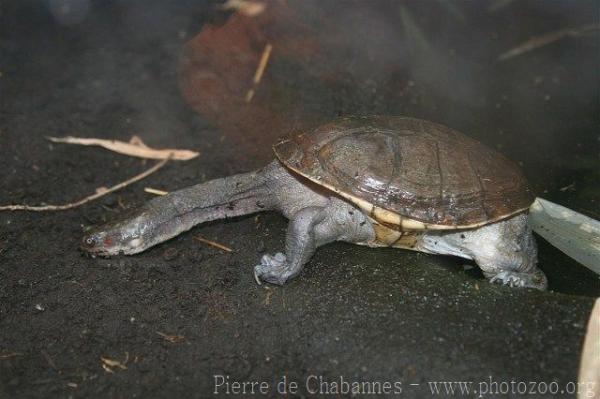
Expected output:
(113, 70)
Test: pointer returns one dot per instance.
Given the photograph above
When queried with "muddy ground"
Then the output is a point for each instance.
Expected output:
(181, 313)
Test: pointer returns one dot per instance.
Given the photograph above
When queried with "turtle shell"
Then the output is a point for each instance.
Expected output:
(409, 173)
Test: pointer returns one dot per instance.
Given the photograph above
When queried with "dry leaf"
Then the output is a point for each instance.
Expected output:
(135, 148)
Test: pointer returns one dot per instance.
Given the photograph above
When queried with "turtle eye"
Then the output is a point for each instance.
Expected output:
(89, 241)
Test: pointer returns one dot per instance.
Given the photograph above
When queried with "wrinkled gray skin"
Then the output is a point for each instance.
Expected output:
(505, 251)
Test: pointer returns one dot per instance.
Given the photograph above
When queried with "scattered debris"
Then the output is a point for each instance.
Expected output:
(74, 282)
(155, 191)
(260, 70)
(99, 193)
(248, 8)
(107, 369)
(175, 339)
(213, 244)
(249, 95)
(109, 365)
(545, 39)
(264, 59)
(267, 300)
(7, 355)
(135, 148)
(570, 187)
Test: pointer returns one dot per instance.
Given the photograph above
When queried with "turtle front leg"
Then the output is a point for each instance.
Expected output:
(310, 228)
(301, 243)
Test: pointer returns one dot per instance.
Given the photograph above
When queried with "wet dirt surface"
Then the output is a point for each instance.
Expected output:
(364, 314)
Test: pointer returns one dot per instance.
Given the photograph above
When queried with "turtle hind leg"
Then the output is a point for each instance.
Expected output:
(506, 252)
(537, 279)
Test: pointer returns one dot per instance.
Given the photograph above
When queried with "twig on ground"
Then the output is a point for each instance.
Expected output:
(213, 244)
(175, 339)
(107, 369)
(264, 59)
(110, 364)
(135, 147)
(543, 40)
(99, 193)
(155, 191)
(7, 355)
(249, 95)
(570, 187)
(260, 70)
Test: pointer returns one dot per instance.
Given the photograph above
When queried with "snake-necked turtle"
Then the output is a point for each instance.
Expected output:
(379, 181)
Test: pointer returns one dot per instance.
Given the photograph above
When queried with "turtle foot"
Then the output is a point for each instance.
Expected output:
(273, 269)
(526, 280)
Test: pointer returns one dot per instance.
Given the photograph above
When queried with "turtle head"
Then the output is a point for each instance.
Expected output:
(125, 236)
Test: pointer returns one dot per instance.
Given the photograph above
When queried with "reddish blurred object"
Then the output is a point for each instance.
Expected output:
(217, 70)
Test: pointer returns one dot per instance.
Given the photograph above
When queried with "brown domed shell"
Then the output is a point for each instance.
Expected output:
(400, 168)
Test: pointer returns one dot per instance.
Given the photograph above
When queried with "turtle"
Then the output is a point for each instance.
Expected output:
(378, 181)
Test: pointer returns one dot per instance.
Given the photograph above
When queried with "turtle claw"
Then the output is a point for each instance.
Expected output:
(525, 280)
(272, 269)
(257, 276)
